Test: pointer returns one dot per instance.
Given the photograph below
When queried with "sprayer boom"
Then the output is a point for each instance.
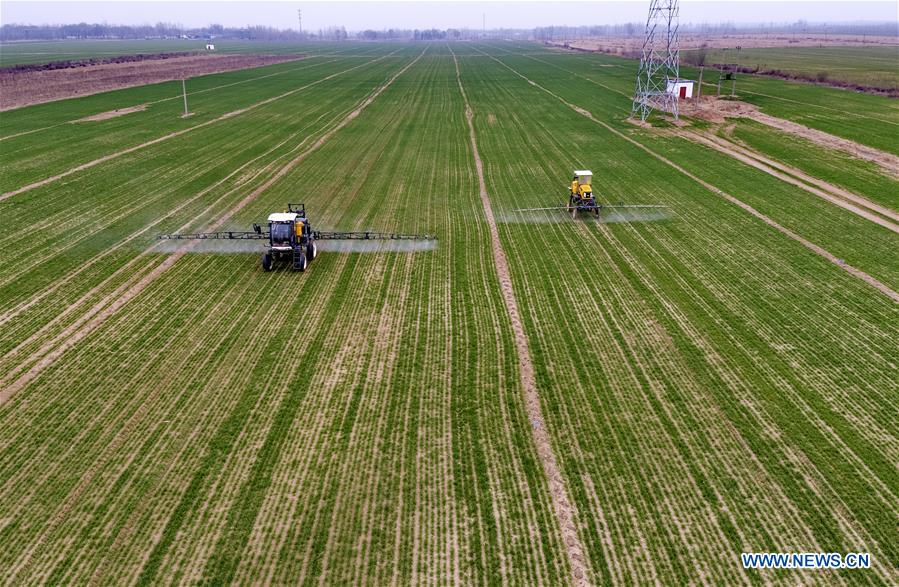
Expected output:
(318, 235)
(291, 238)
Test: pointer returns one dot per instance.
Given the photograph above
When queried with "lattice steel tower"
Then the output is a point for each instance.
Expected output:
(659, 61)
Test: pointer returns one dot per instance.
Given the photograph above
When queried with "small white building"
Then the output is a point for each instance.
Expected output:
(682, 88)
(210, 47)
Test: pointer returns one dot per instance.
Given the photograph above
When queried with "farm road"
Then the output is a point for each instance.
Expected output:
(564, 507)
(855, 272)
(54, 348)
(833, 194)
(887, 161)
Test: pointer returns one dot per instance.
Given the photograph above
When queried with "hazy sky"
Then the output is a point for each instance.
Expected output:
(381, 15)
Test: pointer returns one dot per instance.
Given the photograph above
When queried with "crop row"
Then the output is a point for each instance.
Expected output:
(851, 238)
(214, 98)
(709, 385)
(104, 227)
(712, 386)
(361, 421)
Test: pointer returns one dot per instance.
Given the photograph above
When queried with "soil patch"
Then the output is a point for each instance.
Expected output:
(112, 113)
(22, 87)
(67, 63)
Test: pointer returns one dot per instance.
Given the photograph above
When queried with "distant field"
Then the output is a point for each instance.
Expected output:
(44, 52)
(873, 67)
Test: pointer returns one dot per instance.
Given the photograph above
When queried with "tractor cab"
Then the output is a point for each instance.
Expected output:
(581, 184)
(580, 197)
(290, 237)
(288, 230)
(282, 227)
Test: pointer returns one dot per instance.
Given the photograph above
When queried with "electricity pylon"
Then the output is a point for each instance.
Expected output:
(659, 61)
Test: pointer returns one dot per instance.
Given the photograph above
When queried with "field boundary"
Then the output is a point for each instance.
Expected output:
(563, 506)
(854, 271)
(54, 348)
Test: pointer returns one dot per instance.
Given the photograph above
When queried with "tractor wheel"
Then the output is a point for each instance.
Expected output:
(266, 261)
(311, 251)
(300, 263)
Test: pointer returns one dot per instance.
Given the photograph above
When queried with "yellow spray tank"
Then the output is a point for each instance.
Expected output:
(581, 193)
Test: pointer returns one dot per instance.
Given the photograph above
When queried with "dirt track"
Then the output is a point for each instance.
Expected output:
(23, 88)
(563, 506)
(833, 194)
(715, 110)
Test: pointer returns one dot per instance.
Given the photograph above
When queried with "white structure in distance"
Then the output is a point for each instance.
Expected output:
(680, 88)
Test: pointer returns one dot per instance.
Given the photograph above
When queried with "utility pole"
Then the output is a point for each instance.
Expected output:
(184, 93)
(699, 85)
(300, 16)
(484, 25)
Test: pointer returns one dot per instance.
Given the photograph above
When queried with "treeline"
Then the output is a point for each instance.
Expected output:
(161, 30)
(21, 32)
(631, 29)
(411, 34)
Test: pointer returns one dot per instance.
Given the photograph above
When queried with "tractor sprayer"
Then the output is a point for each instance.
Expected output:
(291, 237)
(581, 198)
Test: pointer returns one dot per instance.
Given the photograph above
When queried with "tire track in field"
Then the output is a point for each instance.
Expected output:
(854, 271)
(115, 300)
(563, 506)
(178, 133)
(226, 438)
(762, 163)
